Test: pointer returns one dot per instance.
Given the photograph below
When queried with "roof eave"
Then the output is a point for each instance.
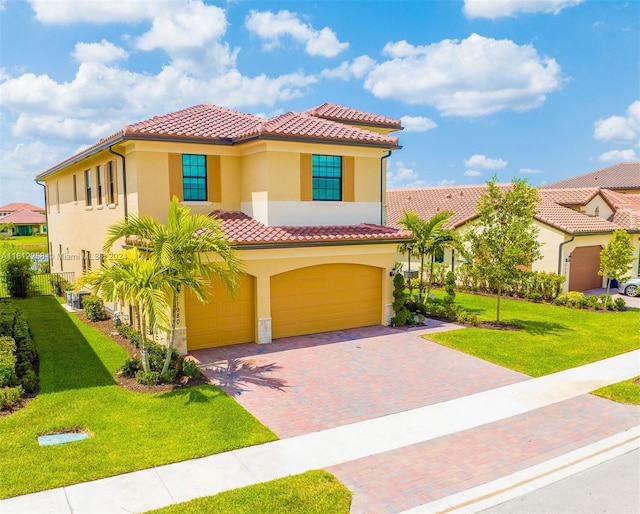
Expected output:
(307, 244)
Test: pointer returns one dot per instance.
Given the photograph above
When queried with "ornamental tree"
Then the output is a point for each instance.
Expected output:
(616, 257)
(504, 237)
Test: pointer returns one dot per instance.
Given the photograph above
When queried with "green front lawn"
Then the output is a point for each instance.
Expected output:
(129, 430)
(313, 492)
(623, 392)
(552, 338)
(31, 244)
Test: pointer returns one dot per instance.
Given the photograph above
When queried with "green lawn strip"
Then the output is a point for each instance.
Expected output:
(32, 244)
(313, 492)
(552, 338)
(623, 392)
(129, 430)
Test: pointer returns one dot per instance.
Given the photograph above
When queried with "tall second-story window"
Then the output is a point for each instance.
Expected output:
(75, 188)
(111, 184)
(194, 177)
(87, 186)
(327, 177)
(99, 185)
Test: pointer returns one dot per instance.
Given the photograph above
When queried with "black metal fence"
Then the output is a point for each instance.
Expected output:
(40, 284)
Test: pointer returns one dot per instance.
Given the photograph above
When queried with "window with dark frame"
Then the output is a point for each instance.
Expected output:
(327, 177)
(111, 184)
(99, 185)
(194, 177)
(87, 185)
(75, 188)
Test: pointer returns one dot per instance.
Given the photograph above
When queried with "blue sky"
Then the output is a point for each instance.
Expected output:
(536, 89)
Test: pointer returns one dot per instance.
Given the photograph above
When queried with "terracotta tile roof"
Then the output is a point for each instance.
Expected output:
(570, 196)
(570, 221)
(219, 125)
(462, 200)
(625, 175)
(627, 209)
(340, 113)
(16, 206)
(24, 217)
(244, 230)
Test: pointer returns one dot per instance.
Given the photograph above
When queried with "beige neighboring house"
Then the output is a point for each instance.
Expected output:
(574, 223)
(300, 196)
(27, 219)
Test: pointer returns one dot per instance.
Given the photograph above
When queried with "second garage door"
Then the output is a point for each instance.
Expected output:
(583, 273)
(325, 297)
(223, 320)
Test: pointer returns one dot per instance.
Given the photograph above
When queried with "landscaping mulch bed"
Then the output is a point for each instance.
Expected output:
(108, 329)
(495, 325)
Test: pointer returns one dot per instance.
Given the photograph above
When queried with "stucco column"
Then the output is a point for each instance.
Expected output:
(263, 308)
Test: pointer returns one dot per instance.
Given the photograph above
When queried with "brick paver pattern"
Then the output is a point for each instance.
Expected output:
(421, 473)
(305, 384)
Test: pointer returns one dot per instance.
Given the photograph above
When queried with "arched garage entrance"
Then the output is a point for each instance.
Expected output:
(583, 273)
(325, 297)
(223, 320)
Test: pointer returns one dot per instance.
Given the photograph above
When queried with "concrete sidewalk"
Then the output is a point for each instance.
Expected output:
(210, 475)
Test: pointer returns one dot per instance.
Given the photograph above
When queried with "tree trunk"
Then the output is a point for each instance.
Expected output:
(172, 333)
(498, 305)
(409, 262)
(430, 277)
(421, 276)
(142, 336)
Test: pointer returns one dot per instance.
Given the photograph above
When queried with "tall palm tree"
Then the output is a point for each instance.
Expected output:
(189, 249)
(129, 277)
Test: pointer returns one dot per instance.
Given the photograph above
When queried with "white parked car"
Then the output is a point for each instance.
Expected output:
(631, 287)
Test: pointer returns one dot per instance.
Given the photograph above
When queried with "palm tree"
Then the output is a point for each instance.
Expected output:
(443, 239)
(189, 250)
(130, 278)
(409, 221)
(424, 235)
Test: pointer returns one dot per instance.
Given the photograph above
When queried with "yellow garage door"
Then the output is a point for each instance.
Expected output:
(223, 320)
(325, 297)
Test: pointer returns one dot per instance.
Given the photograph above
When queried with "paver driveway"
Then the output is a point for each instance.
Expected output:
(304, 384)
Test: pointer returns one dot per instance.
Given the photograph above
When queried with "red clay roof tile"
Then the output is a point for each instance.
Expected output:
(24, 217)
(245, 230)
(625, 175)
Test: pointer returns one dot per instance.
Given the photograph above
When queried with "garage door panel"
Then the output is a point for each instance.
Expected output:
(583, 271)
(325, 297)
(224, 320)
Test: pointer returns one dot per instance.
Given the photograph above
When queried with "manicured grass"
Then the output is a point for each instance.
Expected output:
(552, 338)
(623, 392)
(32, 244)
(313, 492)
(129, 430)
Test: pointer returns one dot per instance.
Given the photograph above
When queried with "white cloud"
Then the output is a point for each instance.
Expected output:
(445, 182)
(614, 156)
(99, 11)
(194, 25)
(403, 176)
(484, 162)
(499, 8)
(103, 52)
(472, 173)
(620, 129)
(530, 171)
(272, 27)
(417, 123)
(348, 70)
(473, 77)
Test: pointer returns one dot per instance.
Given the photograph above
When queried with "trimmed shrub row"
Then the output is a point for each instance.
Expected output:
(18, 356)
(578, 300)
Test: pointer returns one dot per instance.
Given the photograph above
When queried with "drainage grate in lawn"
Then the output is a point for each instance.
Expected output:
(65, 437)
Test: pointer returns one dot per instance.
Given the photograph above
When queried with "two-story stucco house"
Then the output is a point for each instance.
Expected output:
(301, 196)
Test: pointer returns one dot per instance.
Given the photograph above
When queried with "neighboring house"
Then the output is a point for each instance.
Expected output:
(300, 196)
(10, 208)
(25, 221)
(623, 178)
(574, 224)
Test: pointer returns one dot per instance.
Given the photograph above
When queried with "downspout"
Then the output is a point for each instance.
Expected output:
(382, 178)
(560, 253)
(46, 217)
(124, 180)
